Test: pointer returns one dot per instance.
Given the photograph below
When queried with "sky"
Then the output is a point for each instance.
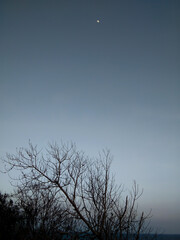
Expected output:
(113, 84)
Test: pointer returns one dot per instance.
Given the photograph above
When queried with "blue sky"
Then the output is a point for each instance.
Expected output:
(113, 84)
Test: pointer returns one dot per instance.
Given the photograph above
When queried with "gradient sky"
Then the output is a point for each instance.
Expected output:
(113, 84)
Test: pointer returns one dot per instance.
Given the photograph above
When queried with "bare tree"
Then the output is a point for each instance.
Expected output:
(130, 223)
(43, 213)
(99, 193)
(86, 188)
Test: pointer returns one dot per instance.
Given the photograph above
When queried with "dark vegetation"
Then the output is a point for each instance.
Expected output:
(63, 194)
(10, 218)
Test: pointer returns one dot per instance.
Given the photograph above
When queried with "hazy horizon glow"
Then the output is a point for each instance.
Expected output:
(113, 84)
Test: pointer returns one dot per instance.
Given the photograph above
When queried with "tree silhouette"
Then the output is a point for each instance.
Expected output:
(44, 215)
(10, 218)
(84, 186)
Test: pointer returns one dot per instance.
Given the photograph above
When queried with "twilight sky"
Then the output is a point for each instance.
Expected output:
(113, 84)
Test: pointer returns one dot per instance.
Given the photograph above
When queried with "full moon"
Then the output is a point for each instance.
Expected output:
(98, 21)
